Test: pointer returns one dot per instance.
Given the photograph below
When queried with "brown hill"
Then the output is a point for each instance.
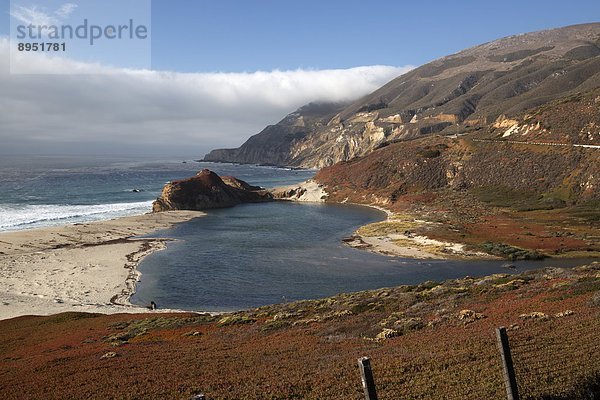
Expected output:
(468, 89)
(529, 182)
(552, 152)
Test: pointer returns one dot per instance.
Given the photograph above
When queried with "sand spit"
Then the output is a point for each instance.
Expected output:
(395, 237)
(83, 267)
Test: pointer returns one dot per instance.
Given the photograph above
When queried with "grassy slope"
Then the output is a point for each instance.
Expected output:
(309, 349)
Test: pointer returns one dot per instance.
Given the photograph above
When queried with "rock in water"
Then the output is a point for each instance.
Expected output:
(207, 190)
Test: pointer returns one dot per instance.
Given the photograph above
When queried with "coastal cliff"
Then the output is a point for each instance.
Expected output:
(525, 187)
(493, 150)
(545, 158)
(207, 190)
(463, 92)
(274, 145)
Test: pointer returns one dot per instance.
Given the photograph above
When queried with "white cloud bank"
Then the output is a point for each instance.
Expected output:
(154, 112)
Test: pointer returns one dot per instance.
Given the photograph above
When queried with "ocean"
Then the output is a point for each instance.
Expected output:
(40, 191)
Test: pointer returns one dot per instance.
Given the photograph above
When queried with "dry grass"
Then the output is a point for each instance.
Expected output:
(397, 224)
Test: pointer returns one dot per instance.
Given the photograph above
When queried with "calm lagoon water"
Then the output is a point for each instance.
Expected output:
(258, 254)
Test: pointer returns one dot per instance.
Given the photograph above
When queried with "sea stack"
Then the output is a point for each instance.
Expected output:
(207, 190)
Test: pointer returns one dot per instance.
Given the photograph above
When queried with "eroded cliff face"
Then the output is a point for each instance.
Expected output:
(207, 190)
(573, 119)
(274, 144)
(460, 93)
(550, 153)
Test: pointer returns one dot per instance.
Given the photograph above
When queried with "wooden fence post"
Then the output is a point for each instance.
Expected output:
(366, 375)
(510, 379)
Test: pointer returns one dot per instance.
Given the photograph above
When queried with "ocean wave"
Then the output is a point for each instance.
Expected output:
(18, 216)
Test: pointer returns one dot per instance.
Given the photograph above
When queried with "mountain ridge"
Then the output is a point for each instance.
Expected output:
(272, 145)
(467, 90)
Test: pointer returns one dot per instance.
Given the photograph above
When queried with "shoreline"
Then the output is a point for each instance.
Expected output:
(385, 238)
(92, 267)
(86, 267)
(394, 244)
(146, 248)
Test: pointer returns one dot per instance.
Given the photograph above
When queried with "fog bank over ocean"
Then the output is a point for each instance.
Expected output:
(158, 112)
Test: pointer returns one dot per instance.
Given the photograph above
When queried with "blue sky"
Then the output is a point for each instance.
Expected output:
(252, 35)
(246, 35)
(223, 70)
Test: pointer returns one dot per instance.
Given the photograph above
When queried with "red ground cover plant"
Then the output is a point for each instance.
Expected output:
(434, 340)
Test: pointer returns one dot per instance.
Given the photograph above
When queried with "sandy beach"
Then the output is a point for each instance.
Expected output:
(82, 267)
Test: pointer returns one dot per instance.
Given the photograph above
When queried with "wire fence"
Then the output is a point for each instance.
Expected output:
(459, 373)
(558, 364)
(553, 364)
(556, 359)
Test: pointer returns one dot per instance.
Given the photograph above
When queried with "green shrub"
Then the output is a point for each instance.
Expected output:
(429, 153)
(510, 252)
(235, 320)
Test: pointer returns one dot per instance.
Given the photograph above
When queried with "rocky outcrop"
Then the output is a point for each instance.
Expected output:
(240, 184)
(309, 191)
(459, 93)
(207, 190)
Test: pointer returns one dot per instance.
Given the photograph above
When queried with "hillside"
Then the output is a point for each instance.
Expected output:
(431, 341)
(448, 96)
(274, 144)
(529, 182)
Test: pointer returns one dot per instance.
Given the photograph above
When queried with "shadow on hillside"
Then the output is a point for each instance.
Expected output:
(587, 389)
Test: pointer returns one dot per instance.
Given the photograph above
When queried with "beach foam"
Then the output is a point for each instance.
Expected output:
(19, 216)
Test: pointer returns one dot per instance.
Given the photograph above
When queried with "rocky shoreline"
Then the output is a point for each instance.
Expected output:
(206, 190)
